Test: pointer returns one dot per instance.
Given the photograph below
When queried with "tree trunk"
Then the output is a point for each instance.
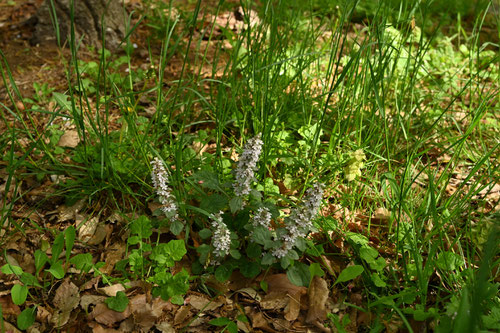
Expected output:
(89, 18)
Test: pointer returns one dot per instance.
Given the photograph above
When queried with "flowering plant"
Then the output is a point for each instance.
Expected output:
(245, 222)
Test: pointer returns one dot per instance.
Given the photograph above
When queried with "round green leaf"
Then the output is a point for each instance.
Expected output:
(176, 227)
(254, 250)
(19, 293)
(249, 269)
(223, 272)
(117, 303)
(205, 233)
(299, 274)
(26, 318)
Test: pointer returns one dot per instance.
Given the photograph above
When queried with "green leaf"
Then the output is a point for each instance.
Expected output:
(449, 261)
(141, 227)
(176, 249)
(261, 235)
(236, 204)
(268, 259)
(254, 251)
(69, 240)
(207, 179)
(29, 280)
(315, 270)
(368, 253)
(177, 299)
(180, 283)
(232, 327)
(255, 195)
(213, 203)
(357, 238)
(292, 255)
(299, 274)
(19, 293)
(378, 264)
(167, 254)
(170, 286)
(117, 303)
(11, 269)
(40, 260)
(285, 262)
(249, 269)
(350, 273)
(203, 250)
(269, 187)
(242, 318)
(221, 321)
(301, 244)
(56, 269)
(57, 247)
(205, 233)
(223, 272)
(235, 254)
(26, 318)
(176, 227)
(62, 100)
(82, 262)
(378, 281)
(314, 250)
(133, 240)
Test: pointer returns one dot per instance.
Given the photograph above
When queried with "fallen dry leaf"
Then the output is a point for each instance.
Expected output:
(114, 253)
(66, 213)
(128, 325)
(103, 315)
(66, 299)
(181, 315)
(10, 328)
(112, 290)
(96, 328)
(42, 314)
(260, 322)
(67, 296)
(274, 301)
(317, 295)
(159, 306)
(283, 294)
(142, 312)
(88, 299)
(8, 307)
(203, 303)
(382, 214)
(99, 235)
(282, 325)
(292, 310)
(86, 227)
(165, 327)
(69, 139)
(280, 282)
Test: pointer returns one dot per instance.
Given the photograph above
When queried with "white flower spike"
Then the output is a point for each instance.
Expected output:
(221, 239)
(244, 173)
(159, 177)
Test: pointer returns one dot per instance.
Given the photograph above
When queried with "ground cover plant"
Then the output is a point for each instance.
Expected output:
(327, 166)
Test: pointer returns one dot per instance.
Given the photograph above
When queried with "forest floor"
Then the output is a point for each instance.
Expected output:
(51, 195)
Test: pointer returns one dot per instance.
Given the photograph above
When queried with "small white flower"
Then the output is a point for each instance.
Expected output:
(244, 173)
(159, 177)
(262, 218)
(221, 239)
(299, 223)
